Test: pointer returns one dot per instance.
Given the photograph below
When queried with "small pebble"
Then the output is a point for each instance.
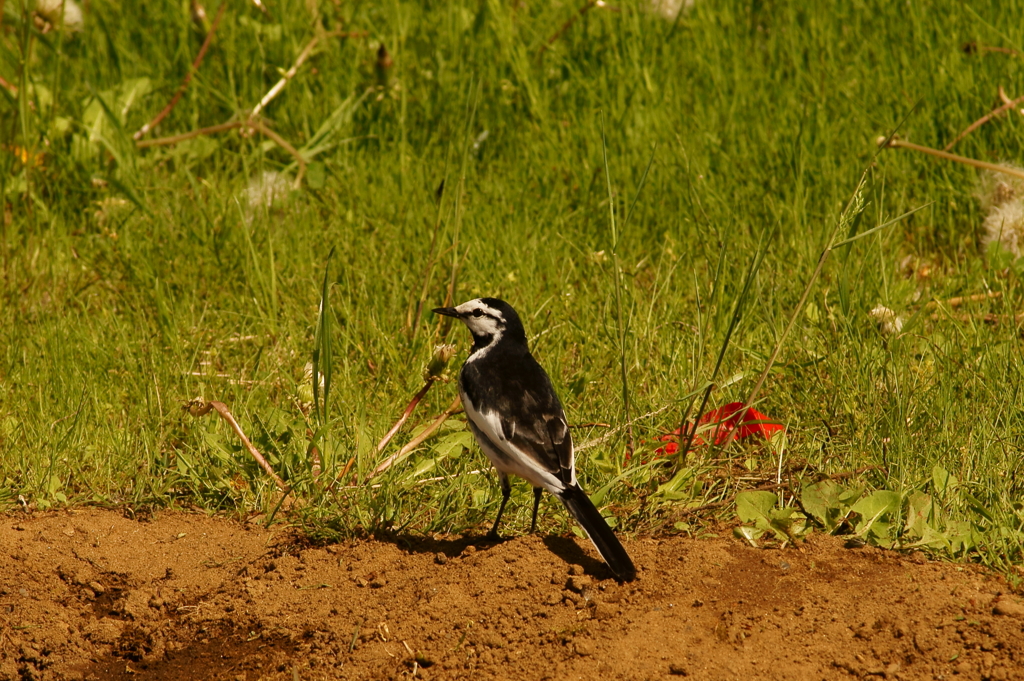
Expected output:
(578, 584)
(584, 648)
(1008, 608)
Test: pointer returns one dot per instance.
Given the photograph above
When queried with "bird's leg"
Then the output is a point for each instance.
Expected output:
(536, 503)
(506, 492)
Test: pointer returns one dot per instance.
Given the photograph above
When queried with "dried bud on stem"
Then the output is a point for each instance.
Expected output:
(435, 370)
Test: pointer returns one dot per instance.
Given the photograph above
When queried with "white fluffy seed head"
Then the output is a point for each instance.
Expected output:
(668, 9)
(996, 189)
(889, 323)
(1004, 225)
(51, 11)
(265, 191)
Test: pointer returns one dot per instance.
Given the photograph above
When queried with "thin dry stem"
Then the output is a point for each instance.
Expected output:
(346, 469)
(252, 122)
(404, 417)
(960, 300)
(174, 139)
(144, 130)
(284, 144)
(992, 48)
(1016, 172)
(851, 205)
(416, 441)
(201, 408)
(1006, 100)
(998, 111)
(290, 73)
(257, 126)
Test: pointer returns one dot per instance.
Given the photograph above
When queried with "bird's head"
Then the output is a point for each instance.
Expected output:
(489, 320)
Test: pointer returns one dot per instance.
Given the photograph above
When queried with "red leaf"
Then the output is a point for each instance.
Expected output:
(730, 421)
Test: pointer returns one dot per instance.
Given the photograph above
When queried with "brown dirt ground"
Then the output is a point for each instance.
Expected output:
(90, 594)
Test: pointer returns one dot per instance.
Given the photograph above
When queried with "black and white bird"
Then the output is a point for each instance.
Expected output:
(519, 423)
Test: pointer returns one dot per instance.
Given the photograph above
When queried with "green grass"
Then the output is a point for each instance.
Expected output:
(135, 280)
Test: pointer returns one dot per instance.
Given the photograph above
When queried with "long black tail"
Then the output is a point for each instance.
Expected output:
(607, 544)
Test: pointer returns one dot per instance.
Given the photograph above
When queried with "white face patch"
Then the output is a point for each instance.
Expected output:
(483, 322)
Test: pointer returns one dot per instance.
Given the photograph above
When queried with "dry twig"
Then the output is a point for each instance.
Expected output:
(290, 73)
(404, 417)
(188, 77)
(972, 47)
(257, 126)
(201, 408)
(1007, 170)
(418, 440)
(998, 111)
(174, 139)
(960, 300)
(251, 122)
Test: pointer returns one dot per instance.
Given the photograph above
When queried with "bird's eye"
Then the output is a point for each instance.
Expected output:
(478, 312)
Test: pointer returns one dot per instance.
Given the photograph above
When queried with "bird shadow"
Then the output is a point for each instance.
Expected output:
(568, 550)
(564, 548)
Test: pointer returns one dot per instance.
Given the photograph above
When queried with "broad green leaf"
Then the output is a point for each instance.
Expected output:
(479, 498)
(930, 538)
(978, 507)
(453, 444)
(942, 480)
(422, 467)
(850, 495)
(677, 482)
(756, 507)
(920, 510)
(874, 507)
(750, 534)
(818, 498)
(963, 536)
(880, 532)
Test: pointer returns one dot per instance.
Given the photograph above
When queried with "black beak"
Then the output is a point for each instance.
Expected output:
(447, 311)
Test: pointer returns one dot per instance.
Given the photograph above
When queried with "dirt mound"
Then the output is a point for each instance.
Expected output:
(92, 595)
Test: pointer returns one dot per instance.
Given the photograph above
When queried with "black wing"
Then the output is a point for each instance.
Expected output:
(524, 402)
